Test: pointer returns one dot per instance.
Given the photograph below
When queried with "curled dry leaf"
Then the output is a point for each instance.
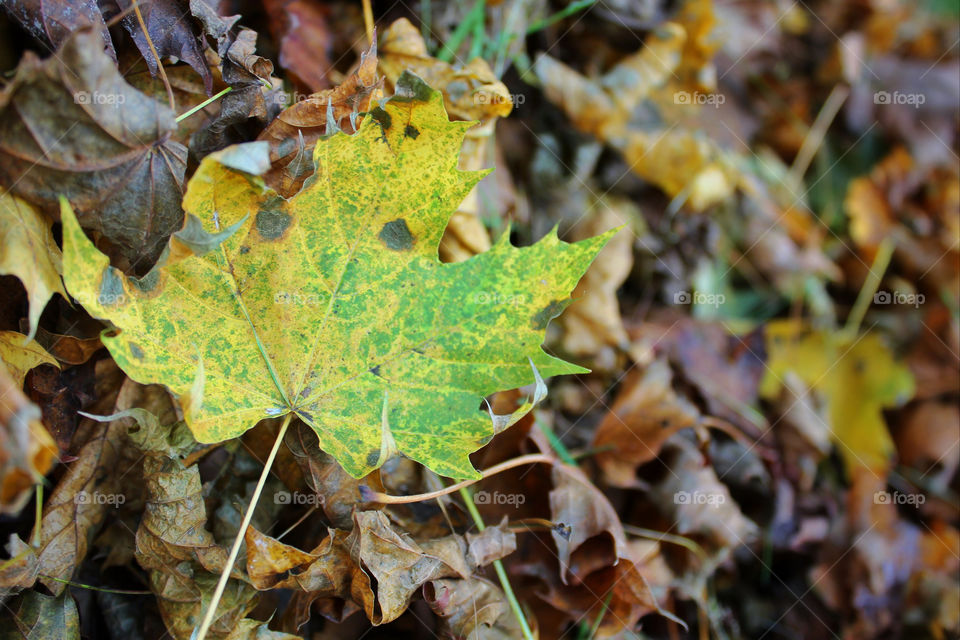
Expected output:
(594, 555)
(374, 566)
(53, 22)
(472, 608)
(63, 133)
(28, 251)
(337, 490)
(26, 449)
(68, 349)
(170, 34)
(645, 413)
(172, 542)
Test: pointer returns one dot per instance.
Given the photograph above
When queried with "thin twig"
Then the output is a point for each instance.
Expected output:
(153, 50)
(80, 585)
(201, 633)
(368, 20)
(368, 495)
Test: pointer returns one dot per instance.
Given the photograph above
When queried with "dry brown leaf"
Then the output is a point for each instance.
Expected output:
(117, 167)
(645, 413)
(374, 566)
(472, 608)
(700, 506)
(592, 321)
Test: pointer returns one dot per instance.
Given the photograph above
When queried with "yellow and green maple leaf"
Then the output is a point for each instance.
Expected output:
(333, 304)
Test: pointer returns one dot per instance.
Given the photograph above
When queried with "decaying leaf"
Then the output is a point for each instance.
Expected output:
(645, 413)
(79, 503)
(169, 33)
(53, 22)
(374, 566)
(63, 133)
(333, 305)
(26, 449)
(28, 251)
(34, 616)
(472, 608)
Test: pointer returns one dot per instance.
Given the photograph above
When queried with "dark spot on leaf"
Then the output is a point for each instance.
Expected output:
(664, 423)
(411, 87)
(375, 370)
(135, 351)
(111, 288)
(244, 249)
(484, 440)
(373, 457)
(411, 131)
(543, 317)
(306, 416)
(382, 118)
(272, 220)
(396, 235)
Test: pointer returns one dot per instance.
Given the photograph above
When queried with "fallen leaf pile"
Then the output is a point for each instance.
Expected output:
(519, 319)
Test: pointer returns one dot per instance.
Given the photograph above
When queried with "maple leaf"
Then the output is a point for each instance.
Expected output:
(858, 378)
(333, 305)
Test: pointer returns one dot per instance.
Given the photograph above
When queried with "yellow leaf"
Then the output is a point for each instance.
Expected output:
(27, 250)
(334, 305)
(858, 378)
(21, 354)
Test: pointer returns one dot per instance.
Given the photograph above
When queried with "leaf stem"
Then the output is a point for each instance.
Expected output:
(368, 495)
(187, 114)
(498, 567)
(36, 538)
(201, 633)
